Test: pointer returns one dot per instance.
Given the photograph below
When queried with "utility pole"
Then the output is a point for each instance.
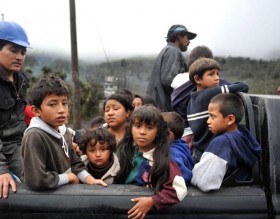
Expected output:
(75, 68)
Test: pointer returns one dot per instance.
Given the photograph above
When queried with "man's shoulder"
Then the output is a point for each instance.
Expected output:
(25, 76)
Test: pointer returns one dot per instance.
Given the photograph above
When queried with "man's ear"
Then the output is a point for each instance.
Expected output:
(231, 119)
(35, 110)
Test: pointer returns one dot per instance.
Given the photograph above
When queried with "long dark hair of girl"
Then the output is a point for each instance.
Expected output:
(159, 172)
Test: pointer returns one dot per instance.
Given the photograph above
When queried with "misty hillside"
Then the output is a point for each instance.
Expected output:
(263, 77)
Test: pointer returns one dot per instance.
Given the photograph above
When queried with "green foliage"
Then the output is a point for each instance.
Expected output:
(91, 93)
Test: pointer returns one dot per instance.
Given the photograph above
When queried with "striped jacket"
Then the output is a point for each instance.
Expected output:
(197, 112)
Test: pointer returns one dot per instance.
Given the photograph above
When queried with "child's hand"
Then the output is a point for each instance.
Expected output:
(92, 181)
(143, 205)
(73, 179)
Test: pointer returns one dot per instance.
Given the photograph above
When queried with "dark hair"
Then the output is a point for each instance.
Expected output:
(97, 121)
(159, 172)
(125, 92)
(175, 123)
(200, 66)
(229, 104)
(149, 100)
(198, 52)
(100, 135)
(78, 134)
(46, 86)
(123, 99)
(3, 43)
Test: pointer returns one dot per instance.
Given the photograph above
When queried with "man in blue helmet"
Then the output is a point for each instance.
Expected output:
(169, 63)
(13, 99)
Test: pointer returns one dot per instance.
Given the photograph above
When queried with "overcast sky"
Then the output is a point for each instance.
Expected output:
(123, 28)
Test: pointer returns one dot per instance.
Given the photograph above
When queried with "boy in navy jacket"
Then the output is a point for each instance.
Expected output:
(231, 149)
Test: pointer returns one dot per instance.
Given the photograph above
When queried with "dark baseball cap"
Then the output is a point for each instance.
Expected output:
(180, 28)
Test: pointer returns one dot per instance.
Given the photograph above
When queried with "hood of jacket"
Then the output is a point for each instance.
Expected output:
(36, 122)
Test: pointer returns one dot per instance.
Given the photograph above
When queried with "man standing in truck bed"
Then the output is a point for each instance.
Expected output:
(169, 63)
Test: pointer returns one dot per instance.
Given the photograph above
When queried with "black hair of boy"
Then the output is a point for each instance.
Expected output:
(149, 100)
(229, 104)
(46, 86)
(200, 66)
(175, 123)
(100, 135)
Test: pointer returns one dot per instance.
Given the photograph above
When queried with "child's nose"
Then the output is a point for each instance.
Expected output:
(142, 130)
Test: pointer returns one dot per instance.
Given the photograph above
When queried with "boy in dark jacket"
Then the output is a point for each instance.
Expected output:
(231, 149)
(49, 160)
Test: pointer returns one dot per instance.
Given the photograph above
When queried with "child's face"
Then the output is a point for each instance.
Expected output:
(54, 110)
(209, 79)
(144, 135)
(137, 102)
(216, 122)
(99, 154)
(115, 114)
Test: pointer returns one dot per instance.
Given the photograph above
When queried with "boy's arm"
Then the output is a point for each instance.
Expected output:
(209, 172)
(235, 87)
(36, 176)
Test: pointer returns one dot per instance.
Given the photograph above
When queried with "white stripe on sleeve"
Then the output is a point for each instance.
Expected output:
(180, 187)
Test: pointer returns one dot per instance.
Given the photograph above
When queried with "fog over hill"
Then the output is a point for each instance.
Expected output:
(112, 29)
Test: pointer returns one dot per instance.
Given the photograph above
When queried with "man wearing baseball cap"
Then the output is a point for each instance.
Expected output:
(13, 99)
(168, 64)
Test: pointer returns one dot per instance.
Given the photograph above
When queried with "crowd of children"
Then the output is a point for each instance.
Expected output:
(133, 141)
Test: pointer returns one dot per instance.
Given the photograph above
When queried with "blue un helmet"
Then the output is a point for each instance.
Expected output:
(14, 33)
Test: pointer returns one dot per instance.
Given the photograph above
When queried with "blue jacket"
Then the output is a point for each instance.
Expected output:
(180, 153)
(226, 153)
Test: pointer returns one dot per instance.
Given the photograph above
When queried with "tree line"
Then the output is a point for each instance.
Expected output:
(262, 76)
